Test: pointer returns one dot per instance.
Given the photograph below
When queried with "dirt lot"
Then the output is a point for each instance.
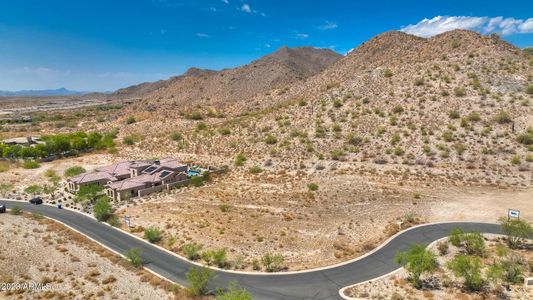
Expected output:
(42, 251)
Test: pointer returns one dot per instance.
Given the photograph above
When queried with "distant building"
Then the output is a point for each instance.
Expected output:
(131, 179)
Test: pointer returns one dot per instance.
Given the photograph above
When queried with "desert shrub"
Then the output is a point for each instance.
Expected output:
(102, 209)
(233, 293)
(273, 263)
(196, 181)
(130, 120)
(503, 117)
(469, 268)
(459, 91)
(198, 280)
(454, 114)
(33, 189)
(354, 139)
(15, 210)
(195, 115)
(239, 160)
(28, 164)
(526, 138)
(448, 136)
(417, 260)
(456, 237)
(224, 131)
(515, 160)
(192, 251)
(224, 207)
(398, 109)
(270, 139)
(529, 89)
(176, 136)
(337, 103)
(255, 170)
(201, 126)
(73, 171)
(220, 258)
(395, 139)
(419, 81)
(134, 257)
(312, 186)
(473, 117)
(516, 230)
(128, 140)
(152, 234)
(508, 271)
(443, 248)
(337, 154)
(387, 73)
(113, 220)
(474, 243)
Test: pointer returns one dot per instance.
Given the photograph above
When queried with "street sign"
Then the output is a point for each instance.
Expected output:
(513, 213)
(127, 221)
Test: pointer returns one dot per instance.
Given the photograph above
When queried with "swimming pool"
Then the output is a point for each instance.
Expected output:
(192, 173)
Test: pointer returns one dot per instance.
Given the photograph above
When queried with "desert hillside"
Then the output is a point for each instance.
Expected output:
(216, 88)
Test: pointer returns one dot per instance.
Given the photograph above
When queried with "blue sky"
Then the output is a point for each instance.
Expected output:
(104, 45)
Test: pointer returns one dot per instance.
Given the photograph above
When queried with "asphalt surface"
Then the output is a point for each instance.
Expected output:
(314, 284)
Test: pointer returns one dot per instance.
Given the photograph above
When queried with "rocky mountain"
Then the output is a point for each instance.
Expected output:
(458, 100)
(278, 70)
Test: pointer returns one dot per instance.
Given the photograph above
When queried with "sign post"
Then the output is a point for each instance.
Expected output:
(513, 213)
(127, 221)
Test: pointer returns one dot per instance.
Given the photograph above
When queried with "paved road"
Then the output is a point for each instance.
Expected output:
(318, 284)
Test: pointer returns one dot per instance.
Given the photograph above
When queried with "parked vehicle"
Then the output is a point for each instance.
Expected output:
(2, 208)
(36, 200)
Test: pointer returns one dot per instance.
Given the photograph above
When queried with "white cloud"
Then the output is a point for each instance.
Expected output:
(225, 1)
(328, 25)
(246, 8)
(39, 71)
(202, 35)
(163, 31)
(301, 35)
(440, 24)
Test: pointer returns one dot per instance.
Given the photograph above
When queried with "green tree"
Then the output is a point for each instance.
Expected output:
(134, 256)
(152, 234)
(234, 293)
(102, 209)
(88, 192)
(516, 230)
(468, 267)
(198, 281)
(417, 260)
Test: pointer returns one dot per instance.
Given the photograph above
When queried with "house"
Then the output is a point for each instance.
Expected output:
(131, 179)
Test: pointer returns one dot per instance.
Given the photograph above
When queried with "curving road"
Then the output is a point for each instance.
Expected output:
(314, 284)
